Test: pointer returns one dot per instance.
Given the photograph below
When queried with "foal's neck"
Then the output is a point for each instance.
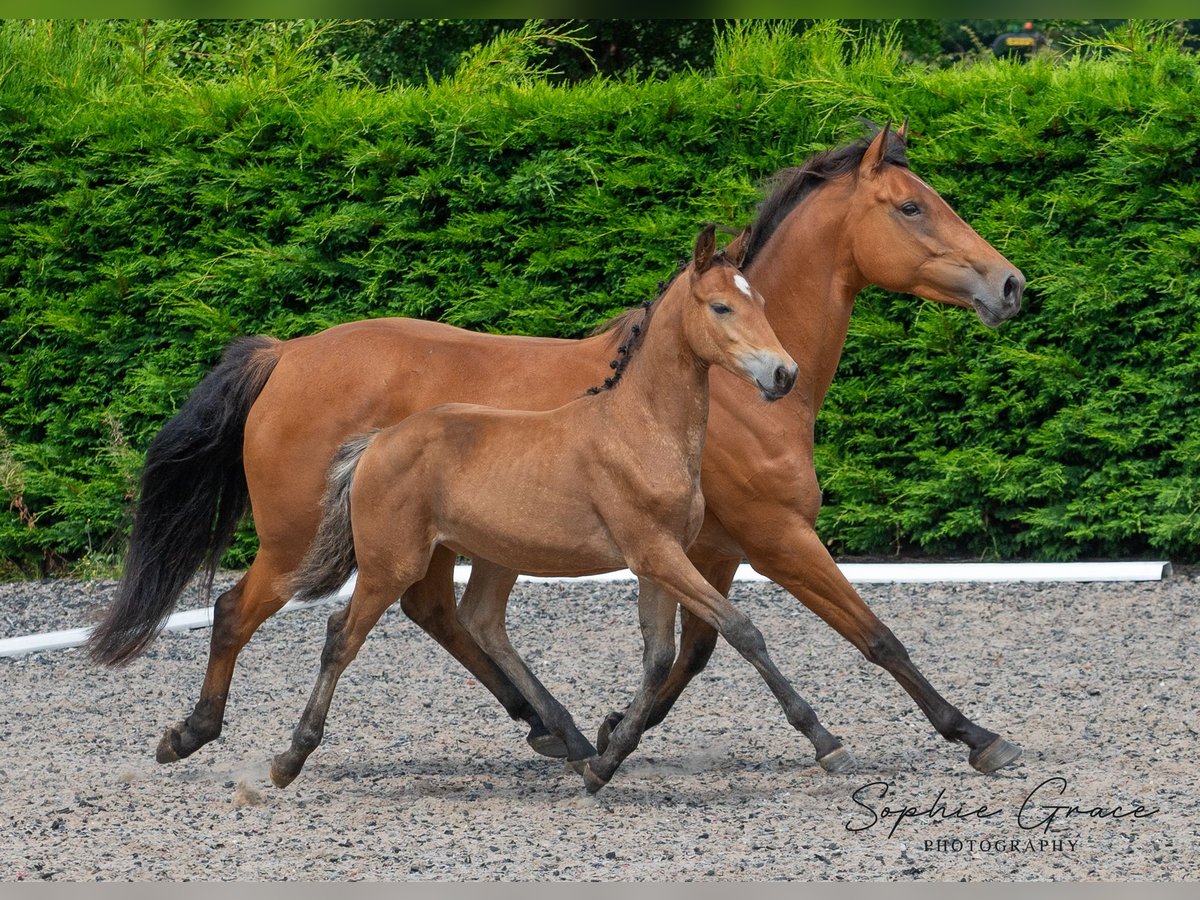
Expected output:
(664, 388)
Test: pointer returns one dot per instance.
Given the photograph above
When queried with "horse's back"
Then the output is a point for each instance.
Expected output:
(370, 374)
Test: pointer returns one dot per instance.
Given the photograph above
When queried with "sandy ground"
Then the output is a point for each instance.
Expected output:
(422, 776)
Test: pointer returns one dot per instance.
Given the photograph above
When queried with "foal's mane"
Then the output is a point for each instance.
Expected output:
(789, 187)
(629, 328)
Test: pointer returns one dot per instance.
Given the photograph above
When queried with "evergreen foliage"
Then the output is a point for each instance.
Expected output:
(150, 212)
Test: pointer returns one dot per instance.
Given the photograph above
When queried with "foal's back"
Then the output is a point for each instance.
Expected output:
(517, 487)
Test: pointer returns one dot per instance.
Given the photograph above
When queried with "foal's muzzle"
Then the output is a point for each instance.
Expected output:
(779, 383)
(785, 380)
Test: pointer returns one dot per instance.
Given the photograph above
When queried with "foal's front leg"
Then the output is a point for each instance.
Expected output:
(668, 566)
(696, 643)
(656, 612)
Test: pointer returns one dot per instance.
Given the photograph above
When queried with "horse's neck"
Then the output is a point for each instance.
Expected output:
(809, 278)
(664, 389)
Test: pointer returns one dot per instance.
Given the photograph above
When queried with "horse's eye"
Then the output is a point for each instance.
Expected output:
(720, 309)
(910, 209)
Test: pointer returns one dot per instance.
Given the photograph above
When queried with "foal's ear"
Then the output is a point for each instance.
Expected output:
(876, 152)
(902, 131)
(735, 250)
(706, 246)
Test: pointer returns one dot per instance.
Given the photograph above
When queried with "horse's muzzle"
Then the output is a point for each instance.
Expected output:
(993, 311)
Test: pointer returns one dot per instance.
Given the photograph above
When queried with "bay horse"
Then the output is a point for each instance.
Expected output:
(265, 422)
(608, 480)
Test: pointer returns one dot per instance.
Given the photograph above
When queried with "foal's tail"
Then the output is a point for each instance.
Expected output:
(193, 493)
(330, 558)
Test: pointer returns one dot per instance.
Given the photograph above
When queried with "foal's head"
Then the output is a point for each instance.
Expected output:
(725, 322)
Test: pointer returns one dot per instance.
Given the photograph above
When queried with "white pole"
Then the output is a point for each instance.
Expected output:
(858, 573)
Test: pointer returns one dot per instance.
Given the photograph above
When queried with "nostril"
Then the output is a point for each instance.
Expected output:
(1012, 289)
(784, 378)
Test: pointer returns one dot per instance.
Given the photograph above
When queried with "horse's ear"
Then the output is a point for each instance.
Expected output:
(706, 246)
(902, 132)
(876, 154)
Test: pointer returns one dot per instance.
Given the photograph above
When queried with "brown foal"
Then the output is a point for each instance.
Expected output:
(608, 480)
(267, 420)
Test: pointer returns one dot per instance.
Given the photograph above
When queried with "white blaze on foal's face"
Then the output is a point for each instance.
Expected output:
(738, 316)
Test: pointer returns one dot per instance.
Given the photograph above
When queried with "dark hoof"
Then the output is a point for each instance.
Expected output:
(591, 779)
(838, 761)
(546, 744)
(611, 721)
(169, 748)
(281, 773)
(996, 755)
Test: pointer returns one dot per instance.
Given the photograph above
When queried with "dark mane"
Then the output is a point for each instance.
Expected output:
(629, 328)
(789, 187)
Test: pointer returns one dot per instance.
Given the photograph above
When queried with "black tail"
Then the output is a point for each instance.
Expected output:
(193, 494)
(331, 558)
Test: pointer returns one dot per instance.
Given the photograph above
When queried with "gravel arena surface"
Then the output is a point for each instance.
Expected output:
(422, 776)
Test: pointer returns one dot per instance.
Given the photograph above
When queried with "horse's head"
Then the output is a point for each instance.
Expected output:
(906, 238)
(726, 322)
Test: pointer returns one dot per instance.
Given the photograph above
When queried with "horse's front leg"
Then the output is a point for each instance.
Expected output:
(796, 559)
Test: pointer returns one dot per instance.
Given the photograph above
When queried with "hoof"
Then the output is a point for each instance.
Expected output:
(837, 761)
(546, 744)
(611, 721)
(281, 774)
(996, 755)
(591, 779)
(168, 747)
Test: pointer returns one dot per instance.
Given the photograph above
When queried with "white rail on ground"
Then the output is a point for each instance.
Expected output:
(858, 573)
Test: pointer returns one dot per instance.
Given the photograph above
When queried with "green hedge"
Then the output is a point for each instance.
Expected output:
(146, 220)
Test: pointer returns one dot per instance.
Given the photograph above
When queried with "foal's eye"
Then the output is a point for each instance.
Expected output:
(910, 209)
(720, 309)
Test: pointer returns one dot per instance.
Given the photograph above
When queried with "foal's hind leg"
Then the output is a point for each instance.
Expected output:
(345, 634)
(239, 612)
(430, 603)
(482, 614)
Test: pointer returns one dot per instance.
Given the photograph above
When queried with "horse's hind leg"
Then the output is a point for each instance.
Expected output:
(430, 603)
(482, 614)
(656, 613)
(238, 613)
(345, 634)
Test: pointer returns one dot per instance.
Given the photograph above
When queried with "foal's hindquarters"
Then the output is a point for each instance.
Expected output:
(599, 483)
